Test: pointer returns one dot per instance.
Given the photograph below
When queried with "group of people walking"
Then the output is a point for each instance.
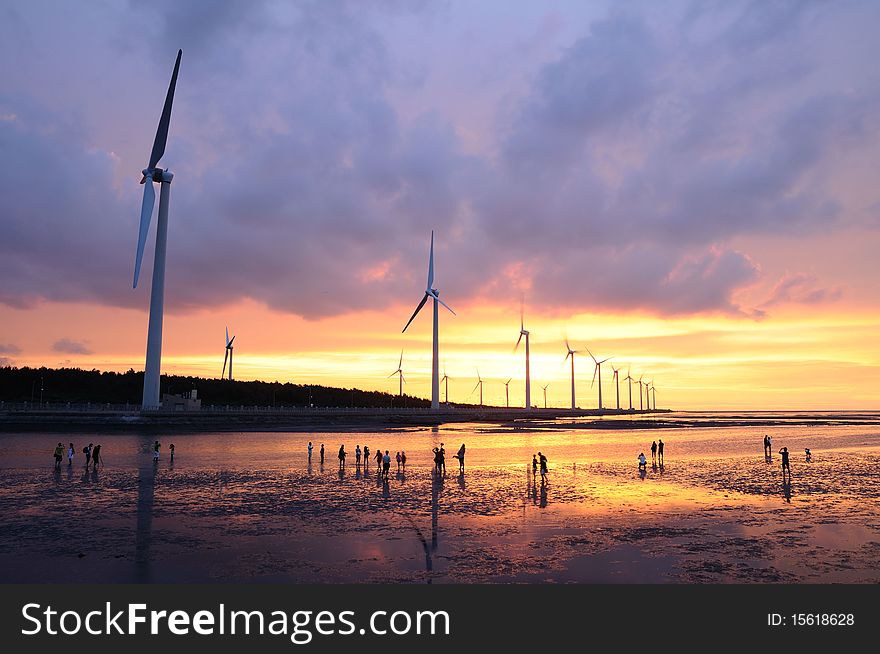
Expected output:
(383, 461)
(92, 453)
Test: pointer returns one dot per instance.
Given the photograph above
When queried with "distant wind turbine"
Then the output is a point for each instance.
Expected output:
(228, 355)
(571, 354)
(524, 332)
(654, 394)
(433, 293)
(597, 369)
(480, 386)
(648, 393)
(399, 371)
(630, 380)
(545, 394)
(641, 406)
(507, 392)
(445, 380)
(616, 379)
(151, 174)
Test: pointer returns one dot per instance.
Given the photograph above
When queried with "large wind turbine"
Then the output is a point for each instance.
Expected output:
(616, 379)
(597, 368)
(571, 354)
(630, 380)
(524, 332)
(399, 371)
(545, 393)
(507, 392)
(228, 355)
(152, 367)
(480, 385)
(432, 293)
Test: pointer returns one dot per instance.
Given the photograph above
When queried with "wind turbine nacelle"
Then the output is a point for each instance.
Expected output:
(157, 175)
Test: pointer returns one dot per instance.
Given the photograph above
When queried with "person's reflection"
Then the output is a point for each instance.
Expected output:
(309, 470)
(543, 503)
(143, 537)
(386, 489)
(461, 480)
(786, 489)
(357, 472)
(642, 473)
(341, 473)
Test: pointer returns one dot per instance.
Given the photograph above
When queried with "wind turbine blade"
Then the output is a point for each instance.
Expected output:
(431, 265)
(223, 374)
(392, 374)
(475, 387)
(508, 381)
(595, 368)
(591, 354)
(230, 342)
(146, 216)
(434, 295)
(517, 342)
(402, 377)
(227, 335)
(400, 363)
(416, 312)
(165, 119)
(568, 354)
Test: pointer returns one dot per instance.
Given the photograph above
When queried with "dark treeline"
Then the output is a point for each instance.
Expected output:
(77, 385)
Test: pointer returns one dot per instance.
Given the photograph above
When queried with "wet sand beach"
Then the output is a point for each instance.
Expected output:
(249, 507)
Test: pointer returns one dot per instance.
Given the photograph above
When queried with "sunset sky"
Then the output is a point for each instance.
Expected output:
(687, 187)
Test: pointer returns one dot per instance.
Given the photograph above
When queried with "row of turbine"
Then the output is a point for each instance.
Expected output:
(434, 295)
(152, 367)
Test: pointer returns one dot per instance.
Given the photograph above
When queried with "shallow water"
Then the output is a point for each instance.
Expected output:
(249, 507)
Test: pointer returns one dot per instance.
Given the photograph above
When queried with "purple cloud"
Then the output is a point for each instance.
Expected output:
(615, 177)
(801, 288)
(68, 346)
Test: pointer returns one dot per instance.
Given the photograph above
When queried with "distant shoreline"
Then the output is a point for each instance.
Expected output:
(335, 420)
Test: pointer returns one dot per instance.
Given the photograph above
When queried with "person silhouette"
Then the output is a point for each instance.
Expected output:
(809, 454)
(399, 460)
(59, 454)
(342, 456)
(785, 463)
(660, 452)
(322, 453)
(386, 465)
(643, 462)
(156, 447)
(460, 456)
(171, 449)
(366, 457)
(534, 465)
(542, 460)
(654, 451)
(357, 456)
(443, 458)
(403, 460)
(310, 451)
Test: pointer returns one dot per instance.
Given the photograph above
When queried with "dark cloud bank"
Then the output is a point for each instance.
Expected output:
(617, 179)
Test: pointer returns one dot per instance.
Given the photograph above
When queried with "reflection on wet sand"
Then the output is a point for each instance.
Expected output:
(701, 519)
